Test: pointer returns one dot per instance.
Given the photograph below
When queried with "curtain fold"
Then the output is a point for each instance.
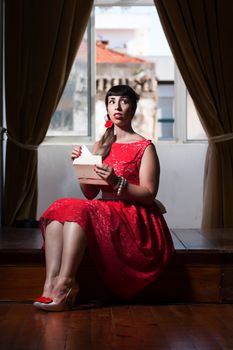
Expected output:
(200, 36)
(42, 38)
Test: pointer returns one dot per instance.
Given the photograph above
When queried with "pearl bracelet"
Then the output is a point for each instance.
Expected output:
(123, 184)
(118, 183)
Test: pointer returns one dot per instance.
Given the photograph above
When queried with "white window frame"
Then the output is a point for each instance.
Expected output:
(180, 96)
(180, 124)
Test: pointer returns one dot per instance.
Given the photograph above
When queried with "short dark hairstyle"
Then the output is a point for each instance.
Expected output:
(123, 90)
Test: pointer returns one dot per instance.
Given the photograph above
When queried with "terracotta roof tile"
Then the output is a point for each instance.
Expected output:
(106, 55)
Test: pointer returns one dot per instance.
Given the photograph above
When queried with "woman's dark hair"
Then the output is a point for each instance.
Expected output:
(123, 90)
(108, 137)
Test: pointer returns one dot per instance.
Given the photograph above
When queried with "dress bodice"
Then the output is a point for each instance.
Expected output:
(125, 158)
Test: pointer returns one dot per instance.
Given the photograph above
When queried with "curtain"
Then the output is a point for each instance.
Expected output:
(200, 36)
(41, 41)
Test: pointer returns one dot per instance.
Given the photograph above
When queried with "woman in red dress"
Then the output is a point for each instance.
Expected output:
(126, 234)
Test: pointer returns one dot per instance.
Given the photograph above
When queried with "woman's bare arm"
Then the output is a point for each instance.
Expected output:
(149, 175)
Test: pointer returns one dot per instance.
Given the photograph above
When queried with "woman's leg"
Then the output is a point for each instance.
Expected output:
(53, 254)
(74, 244)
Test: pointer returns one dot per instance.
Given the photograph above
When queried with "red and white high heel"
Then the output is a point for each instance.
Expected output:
(48, 304)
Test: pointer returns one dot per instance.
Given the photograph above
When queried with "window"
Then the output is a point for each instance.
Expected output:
(165, 111)
(125, 44)
(71, 115)
(125, 54)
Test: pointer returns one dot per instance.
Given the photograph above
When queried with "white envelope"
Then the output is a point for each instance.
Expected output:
(84, 168)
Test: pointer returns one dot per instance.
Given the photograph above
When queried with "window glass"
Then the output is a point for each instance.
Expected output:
(131, 49)
(71, 115)
(165, 111)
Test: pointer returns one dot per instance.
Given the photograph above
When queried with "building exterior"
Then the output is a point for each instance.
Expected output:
(112, 68)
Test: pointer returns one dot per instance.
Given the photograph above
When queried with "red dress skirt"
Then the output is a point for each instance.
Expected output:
(129, 242)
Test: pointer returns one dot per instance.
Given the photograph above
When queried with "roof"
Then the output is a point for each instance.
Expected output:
(106, 55)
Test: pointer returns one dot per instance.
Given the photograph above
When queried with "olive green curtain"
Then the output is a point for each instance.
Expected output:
(200, 34)
(41, 41)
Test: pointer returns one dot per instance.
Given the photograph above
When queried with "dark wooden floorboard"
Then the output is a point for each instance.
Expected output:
(18, 329)
(151, 332)
(79, 332)
(199, 333)
(55, 331)
(29, 332)
(101, 328)
(173, 327)
(123, 332)
(127, 327)
(215, 322)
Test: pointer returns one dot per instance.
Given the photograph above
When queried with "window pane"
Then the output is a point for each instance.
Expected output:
(165, 111)
(71, 115)
(131, 48)
(195, 130)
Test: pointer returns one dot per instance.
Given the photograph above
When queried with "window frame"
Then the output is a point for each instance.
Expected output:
(180, 124)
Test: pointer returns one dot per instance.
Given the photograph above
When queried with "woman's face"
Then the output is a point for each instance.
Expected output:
(120, 110)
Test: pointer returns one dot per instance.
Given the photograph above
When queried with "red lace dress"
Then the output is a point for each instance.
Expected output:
(129, 242)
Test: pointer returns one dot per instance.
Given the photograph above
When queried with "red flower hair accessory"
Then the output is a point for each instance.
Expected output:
(108, 124)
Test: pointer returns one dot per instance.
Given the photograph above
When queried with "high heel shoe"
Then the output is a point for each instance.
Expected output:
(50, 305)
(40, 301)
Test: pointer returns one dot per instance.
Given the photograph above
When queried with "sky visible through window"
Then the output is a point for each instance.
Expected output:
(160, 45)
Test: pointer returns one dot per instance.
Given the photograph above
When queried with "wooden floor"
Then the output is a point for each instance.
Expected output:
(131, 327)
(188, 307)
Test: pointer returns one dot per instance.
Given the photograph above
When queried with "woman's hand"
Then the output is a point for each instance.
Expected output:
(107, 173)
(77, 151)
